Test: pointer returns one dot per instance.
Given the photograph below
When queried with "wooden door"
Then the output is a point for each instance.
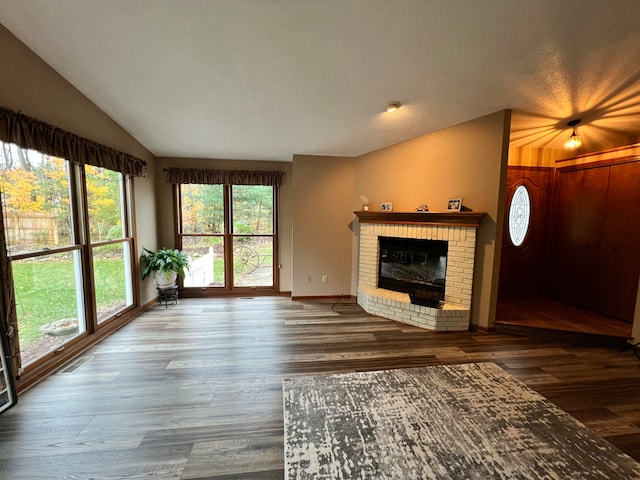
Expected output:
(581, 205)
(568, 190)
(521, 267)
(619, 256)
(596, 260)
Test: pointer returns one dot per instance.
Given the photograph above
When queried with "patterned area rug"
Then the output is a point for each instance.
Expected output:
(471, 421)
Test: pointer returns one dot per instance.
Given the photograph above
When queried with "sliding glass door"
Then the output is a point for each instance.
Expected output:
(252, 233)
(7, 387)
(229, 233)
(202, 234)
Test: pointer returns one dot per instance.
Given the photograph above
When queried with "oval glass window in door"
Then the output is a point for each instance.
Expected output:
(519, 215)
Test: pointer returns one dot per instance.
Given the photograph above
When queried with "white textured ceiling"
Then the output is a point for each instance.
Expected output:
(265, 79)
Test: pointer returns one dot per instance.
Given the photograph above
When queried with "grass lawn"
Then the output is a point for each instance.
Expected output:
(218, 271)
(46, 292)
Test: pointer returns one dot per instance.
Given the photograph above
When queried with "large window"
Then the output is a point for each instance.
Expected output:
(252, 232)
(229, 232)
(69, 247)
(202, 234)
(109, 243)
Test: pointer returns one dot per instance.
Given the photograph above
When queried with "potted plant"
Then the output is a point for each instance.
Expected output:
(165, 264)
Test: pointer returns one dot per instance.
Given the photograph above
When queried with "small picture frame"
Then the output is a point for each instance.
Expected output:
(454, 204)
(386, 207)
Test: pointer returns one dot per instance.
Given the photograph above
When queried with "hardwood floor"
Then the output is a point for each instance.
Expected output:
(544, 312)
(193, 391)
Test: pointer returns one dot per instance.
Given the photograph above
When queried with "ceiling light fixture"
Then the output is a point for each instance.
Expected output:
(574, 141)
(392, 107)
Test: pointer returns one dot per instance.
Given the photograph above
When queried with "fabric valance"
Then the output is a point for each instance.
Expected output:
(224, 177)
(33, 134)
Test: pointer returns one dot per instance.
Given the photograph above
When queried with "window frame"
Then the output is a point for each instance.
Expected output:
(126, 189)
(80, 242)
(228, 236)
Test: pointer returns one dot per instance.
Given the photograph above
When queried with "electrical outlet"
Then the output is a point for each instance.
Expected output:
(325, 278)
(308, 279)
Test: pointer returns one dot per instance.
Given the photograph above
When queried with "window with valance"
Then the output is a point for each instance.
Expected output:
(67, 253)
(227, 224)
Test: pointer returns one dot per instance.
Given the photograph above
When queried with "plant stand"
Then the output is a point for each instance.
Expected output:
(167, 294)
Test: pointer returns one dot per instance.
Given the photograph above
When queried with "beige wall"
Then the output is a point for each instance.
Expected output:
(322, 220)
(29, 85)
(164, 202)
(467, 160)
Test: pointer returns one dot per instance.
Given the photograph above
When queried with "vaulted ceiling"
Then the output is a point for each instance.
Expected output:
(265, 79)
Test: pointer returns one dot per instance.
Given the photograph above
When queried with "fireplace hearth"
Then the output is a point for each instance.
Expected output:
(448, 269)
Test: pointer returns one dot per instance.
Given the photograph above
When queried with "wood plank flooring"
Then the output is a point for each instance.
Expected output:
(541, 312)
(193, 391)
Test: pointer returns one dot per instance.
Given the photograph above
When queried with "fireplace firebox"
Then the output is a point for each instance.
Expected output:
(414, 266)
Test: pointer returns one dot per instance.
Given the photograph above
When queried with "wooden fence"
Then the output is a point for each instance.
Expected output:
(32, 227)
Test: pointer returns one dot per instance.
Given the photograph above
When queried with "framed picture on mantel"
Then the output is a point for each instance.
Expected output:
(454, 204)
(386, 206)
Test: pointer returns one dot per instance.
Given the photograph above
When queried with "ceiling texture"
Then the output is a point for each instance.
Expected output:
(266, 79)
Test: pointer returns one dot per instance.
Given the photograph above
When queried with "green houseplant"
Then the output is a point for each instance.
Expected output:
(165, 264)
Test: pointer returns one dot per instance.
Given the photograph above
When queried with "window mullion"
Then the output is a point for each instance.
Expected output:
(228, 238)
(87, 260)
(275, 232)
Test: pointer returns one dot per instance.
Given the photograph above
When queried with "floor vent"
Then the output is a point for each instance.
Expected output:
(76, 365)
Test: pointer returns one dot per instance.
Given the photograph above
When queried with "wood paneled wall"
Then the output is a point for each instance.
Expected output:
(582, 247)
(595, 228)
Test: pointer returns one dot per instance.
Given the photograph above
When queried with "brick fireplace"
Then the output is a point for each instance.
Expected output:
(458, 229)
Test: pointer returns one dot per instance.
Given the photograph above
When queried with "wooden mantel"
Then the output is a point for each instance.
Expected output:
(455, 219)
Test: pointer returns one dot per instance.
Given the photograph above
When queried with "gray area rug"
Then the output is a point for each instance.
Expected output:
(471, 421)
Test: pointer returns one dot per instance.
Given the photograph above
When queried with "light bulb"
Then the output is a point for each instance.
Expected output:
(573, 142)
(392, 107)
